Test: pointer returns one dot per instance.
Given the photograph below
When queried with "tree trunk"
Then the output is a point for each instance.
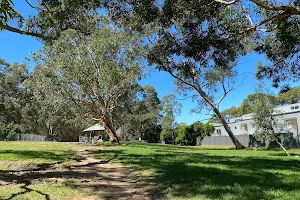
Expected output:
(111, 132)
(237, 144)
(203, 94)
(284, 149)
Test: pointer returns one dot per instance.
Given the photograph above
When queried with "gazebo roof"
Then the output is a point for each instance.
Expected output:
(96, 127)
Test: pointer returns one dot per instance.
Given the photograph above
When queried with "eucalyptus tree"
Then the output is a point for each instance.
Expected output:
(138, 114)
(99, 69)
(194, 43)
(267, 126)
(49, 18)
(276, 23)
(13, 95)
(50, 111)
(289, 97)
(170, 109)
(7, 12)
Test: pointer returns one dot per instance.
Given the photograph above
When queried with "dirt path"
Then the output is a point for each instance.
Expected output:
(99, 177)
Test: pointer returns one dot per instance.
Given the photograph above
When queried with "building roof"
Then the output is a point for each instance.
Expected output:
(280, 110)
(96, 127)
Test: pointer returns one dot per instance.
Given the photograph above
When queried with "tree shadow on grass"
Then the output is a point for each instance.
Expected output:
(196, 175)
(27, 190)
(108, 182)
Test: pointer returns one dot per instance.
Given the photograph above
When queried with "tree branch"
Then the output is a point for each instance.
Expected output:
(30, 4)
(227, 2)
(274, 8)
(265, 6)
(19, 31)
(224, 90)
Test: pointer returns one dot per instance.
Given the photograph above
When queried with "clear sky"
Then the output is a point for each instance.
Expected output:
(15, 48)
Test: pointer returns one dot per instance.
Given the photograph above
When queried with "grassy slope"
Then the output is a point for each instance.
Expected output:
(212, 173)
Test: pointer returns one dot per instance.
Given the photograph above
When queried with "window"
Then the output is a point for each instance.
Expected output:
(219, 131)
(244, 128)
(234, 127)
(294, 107)
(288, 123)
(291, 123)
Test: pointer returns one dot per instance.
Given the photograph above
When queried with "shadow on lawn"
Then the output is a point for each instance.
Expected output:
(27, 190)
(86, 175)
(189, 175)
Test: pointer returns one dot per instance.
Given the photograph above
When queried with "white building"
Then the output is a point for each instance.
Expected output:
(288, 120)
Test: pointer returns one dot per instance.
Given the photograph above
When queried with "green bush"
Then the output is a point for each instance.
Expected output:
(9, 131)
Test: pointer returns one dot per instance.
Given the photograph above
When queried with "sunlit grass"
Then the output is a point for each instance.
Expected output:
(212, 173)
(36, 152)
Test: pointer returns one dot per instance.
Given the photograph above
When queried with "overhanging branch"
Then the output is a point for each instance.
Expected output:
(276, 8)
(265, 6)
(19, 31)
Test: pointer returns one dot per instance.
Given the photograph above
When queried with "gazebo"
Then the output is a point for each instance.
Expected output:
(91, 130)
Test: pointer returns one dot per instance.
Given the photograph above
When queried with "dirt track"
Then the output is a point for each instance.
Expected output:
(100, 177)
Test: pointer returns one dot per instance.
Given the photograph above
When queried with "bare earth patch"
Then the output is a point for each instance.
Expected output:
(100, 178)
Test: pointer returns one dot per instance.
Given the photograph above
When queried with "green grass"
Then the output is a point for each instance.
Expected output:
(18, 155)
(36, 152)
(176, 172)
(41, 192)
(212, 173)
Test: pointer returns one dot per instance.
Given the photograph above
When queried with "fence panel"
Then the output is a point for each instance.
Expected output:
(288, 140)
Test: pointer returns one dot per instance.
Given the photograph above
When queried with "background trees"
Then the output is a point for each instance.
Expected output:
(266, 124)
(13, 98)
(188, 135)
(138, 114)
(98, 69)
(171, 108)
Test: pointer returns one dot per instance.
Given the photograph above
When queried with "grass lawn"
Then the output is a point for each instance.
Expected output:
(212, 173)
(18, 156)
(36, 152)
(173, 172)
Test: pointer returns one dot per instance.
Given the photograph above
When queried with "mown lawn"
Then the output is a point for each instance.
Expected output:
(16, 157)
(36, 152)
(211, 173)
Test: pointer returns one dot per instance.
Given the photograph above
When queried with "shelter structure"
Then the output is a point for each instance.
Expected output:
(91, 132)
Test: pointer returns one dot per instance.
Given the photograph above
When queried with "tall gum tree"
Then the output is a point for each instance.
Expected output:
(193, 44)
(276, 23)
(100, 68)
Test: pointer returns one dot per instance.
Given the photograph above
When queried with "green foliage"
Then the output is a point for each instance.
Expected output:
(188, 134)
(138, 113)
(49, 111)
(171, 108)
(9, 131)
(264, 121)
(281, 47)
(289, 97)
(7, 12)
(183, 133)
(164, 135)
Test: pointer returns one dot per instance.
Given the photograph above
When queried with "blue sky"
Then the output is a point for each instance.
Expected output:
(15, 48)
